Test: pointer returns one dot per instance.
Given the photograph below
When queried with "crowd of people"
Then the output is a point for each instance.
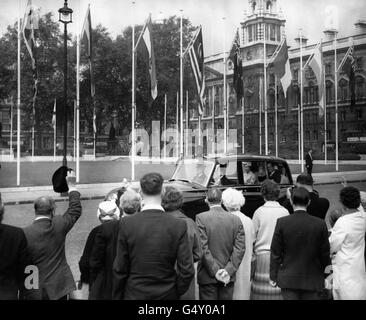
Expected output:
(145, 247)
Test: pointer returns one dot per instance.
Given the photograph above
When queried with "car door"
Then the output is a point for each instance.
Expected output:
(251, 188)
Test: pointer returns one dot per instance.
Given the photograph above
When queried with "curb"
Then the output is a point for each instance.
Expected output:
(63, 199)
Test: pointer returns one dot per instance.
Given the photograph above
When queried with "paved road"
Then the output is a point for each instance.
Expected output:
(22, 215)
(40, 173)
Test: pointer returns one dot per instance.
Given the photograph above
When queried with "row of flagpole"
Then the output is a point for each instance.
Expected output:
(180, 126)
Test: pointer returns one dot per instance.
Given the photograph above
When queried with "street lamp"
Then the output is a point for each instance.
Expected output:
(65, 16)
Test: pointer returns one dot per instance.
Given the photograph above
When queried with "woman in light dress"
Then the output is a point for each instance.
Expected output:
(264, 221)
(347, 243)
(233, 200)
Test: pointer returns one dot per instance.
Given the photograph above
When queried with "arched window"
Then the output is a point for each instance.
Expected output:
(329, 92)
(343, 92)
(269, 6)
(254, 4)
(360, 87)
(271, 99)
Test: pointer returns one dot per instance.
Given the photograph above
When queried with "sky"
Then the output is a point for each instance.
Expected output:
(309, 15)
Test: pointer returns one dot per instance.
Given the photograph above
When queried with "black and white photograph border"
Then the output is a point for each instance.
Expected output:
(161, 150)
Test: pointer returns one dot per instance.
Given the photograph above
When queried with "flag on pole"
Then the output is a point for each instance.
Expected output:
(86, 34)
(30, 24)
(195, 51)
(348, 65)
(316, 63)
(94, 122)
(54, 116)
(235, 56)
(281, 64)
(148, 45)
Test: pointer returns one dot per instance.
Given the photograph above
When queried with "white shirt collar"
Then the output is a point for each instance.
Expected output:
(271, 204)
(42, 217)
(152, 207)
(215, 205)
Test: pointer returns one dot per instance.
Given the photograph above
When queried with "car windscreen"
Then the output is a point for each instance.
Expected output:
(197, 171)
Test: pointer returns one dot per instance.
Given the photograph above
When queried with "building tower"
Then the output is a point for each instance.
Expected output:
(262, 17)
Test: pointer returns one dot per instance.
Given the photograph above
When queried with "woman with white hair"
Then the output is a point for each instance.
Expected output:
(233, 200)
(107, 211)
(105, 246)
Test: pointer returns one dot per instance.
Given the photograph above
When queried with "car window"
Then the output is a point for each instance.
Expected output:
(226, 174)
(284, 173)
(194, 170)
(254, 172)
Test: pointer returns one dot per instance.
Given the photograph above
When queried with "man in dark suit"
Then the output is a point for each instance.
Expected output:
(223, 179)
(309, 162)
(299, 252)
(223, 246)
(154, 260)
(46, 244)
(13, 259)
(273, 173)
(318, 206)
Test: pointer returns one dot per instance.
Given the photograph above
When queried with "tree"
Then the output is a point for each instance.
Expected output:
(112, 74)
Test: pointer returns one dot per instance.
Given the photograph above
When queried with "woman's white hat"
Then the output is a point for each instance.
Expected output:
(108, 210)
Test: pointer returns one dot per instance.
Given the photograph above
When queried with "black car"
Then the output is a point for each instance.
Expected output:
(193, 177)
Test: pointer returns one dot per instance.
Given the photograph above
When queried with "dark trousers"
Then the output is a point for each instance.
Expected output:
(293, 294)
(309, 169)
(216, 291)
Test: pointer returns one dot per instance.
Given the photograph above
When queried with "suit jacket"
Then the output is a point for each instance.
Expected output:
(308, 161)
(150, 245)
(318, 207)
(13, 260)
(299, 252)
(223, 244)
(275, 175)
(84, 263)
(46, 245)
(101, 261)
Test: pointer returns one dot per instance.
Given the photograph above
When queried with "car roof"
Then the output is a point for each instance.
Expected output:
(245, 157)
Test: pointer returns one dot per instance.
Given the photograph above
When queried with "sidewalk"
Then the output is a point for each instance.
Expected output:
(24, 195)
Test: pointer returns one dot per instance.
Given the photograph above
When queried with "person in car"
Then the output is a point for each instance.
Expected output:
(248, 175)
(261, 173)
(200, 176)
(223, 179)
(273, 173)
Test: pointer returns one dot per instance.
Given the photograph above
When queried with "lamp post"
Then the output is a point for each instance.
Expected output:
(65, 16)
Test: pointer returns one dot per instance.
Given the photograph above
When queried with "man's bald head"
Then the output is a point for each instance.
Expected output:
(44, 206)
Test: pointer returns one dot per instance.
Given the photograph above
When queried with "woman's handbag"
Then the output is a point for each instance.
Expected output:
(81, 292)
(327, 292)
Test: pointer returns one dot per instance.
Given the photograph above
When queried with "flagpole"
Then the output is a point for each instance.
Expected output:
(18, 104)
(325, 118)
(260, 114)
(75, 130)
(302, 108)
(336, 98)
(177, 125)
(243, 126)
(133, 97)
(54, 132)
(11, 127)
(225, 94)
(276, 116)
(265, 90)
(77, 101)
(181, 83)
(213, 120)
(165, 103)
(187, 123)
(33, 136)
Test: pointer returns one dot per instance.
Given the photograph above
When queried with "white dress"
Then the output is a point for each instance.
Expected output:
(242, 283)
(347, 241)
